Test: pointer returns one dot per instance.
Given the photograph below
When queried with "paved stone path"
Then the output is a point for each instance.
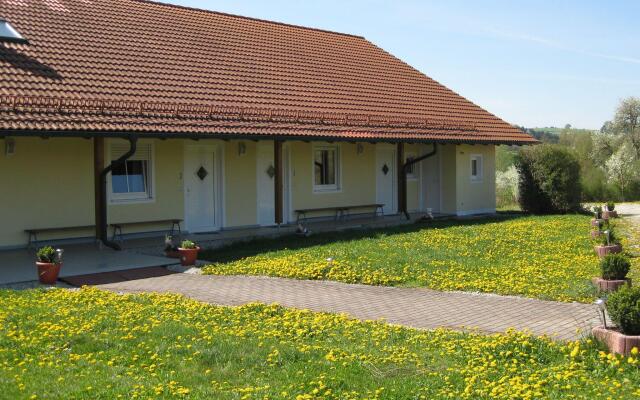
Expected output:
(414, 307)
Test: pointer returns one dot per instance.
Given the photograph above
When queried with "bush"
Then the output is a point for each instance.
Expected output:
(188, 244)
(507, 187)
(549, 180)
(47, 254)
(611, 206)
(611, 239)
(624, 309)
(597, 211)
(614, 266)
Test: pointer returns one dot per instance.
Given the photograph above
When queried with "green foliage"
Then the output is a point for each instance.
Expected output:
(549, 180)
(624, 309)
(188, 244)
(611, 205)
(614, 266)
(505, 157)
(597, 211)
(47, 254)
(611, 239)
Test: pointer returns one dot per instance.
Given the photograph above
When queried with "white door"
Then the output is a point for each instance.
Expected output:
(386, 177)
(200, 189)
(266, 196)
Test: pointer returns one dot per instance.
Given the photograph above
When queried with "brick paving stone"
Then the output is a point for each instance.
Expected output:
(413, 307)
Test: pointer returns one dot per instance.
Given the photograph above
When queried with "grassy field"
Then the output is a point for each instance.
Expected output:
(547, 257)
(90, 344)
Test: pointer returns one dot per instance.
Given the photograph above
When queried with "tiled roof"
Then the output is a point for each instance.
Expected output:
(139, 66)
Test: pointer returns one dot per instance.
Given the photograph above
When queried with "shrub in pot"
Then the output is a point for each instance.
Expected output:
(48, 263)
(610, 211)
(188, 252)
(609, 243)
(613, 273)
(624, 309)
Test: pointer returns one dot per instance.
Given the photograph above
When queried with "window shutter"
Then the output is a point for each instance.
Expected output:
(143, 151)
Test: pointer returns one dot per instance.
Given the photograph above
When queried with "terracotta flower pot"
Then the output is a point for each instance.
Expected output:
(596, 234)
(616, 341)
(595, 222)
(48, 272)
(610, 249)
(610, 285)
(609, 214)
(188, 256)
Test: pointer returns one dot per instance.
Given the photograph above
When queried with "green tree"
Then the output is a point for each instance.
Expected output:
(626, 122)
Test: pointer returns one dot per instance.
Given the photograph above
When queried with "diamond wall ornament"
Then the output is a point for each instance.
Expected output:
(271, 171)
(385, 169)
(202, 173)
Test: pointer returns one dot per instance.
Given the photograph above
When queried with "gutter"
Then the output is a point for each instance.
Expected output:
(104, 236)
(405, 169)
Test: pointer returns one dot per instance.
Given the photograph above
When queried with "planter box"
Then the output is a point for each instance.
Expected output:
(609, 214)
(611, 249)
(607, 285)
(616, 341)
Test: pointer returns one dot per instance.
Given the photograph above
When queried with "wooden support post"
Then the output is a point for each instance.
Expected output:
(98, 166)
(277, 180)
(402, 180)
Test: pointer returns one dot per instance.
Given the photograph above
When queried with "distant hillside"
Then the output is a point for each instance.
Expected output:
(551, 134)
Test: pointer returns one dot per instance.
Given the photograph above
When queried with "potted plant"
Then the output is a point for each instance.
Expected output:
(624, 309)
(48, 262)
(610, 243)
(613, 273)
(188, 253)
(170, 248)
(610, 211)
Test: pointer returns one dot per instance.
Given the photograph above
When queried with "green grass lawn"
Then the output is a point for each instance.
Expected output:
(548, 257)
(90, 344)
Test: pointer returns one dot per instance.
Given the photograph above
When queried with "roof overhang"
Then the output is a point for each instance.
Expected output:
(244, 136)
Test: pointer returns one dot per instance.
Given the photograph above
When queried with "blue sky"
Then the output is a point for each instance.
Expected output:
(536, 63)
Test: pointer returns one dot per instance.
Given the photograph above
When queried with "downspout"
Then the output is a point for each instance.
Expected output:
(405, 168)
(104, 236)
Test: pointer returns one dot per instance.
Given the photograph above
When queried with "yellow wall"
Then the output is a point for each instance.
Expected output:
(240, 184)
(357, 183)
(46, 184)
(476, 196)
(49, 183)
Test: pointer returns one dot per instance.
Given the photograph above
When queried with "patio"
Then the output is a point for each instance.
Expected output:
(140, 252)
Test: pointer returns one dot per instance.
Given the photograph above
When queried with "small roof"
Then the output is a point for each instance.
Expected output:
(122, 66)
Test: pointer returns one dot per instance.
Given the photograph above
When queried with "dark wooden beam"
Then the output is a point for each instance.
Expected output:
(98, 166)
(277, 180)
(402, 180)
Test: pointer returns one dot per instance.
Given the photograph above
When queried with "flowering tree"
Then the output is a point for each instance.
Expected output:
(621, 167)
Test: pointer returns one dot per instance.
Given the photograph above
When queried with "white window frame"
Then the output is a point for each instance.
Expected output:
(138, 197)
(479, 168)
(414, 174)
(338, 173)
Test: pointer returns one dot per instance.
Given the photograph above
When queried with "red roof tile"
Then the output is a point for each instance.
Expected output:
(139, 66)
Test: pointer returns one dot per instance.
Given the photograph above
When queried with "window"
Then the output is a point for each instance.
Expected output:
(411, 169)
(476, 168)
(9, 34)
(131, 180)
(325, 167)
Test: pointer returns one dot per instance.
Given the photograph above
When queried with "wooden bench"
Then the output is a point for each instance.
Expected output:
(117, 229)
(175, 223)
(33, 233)
(341, 212)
